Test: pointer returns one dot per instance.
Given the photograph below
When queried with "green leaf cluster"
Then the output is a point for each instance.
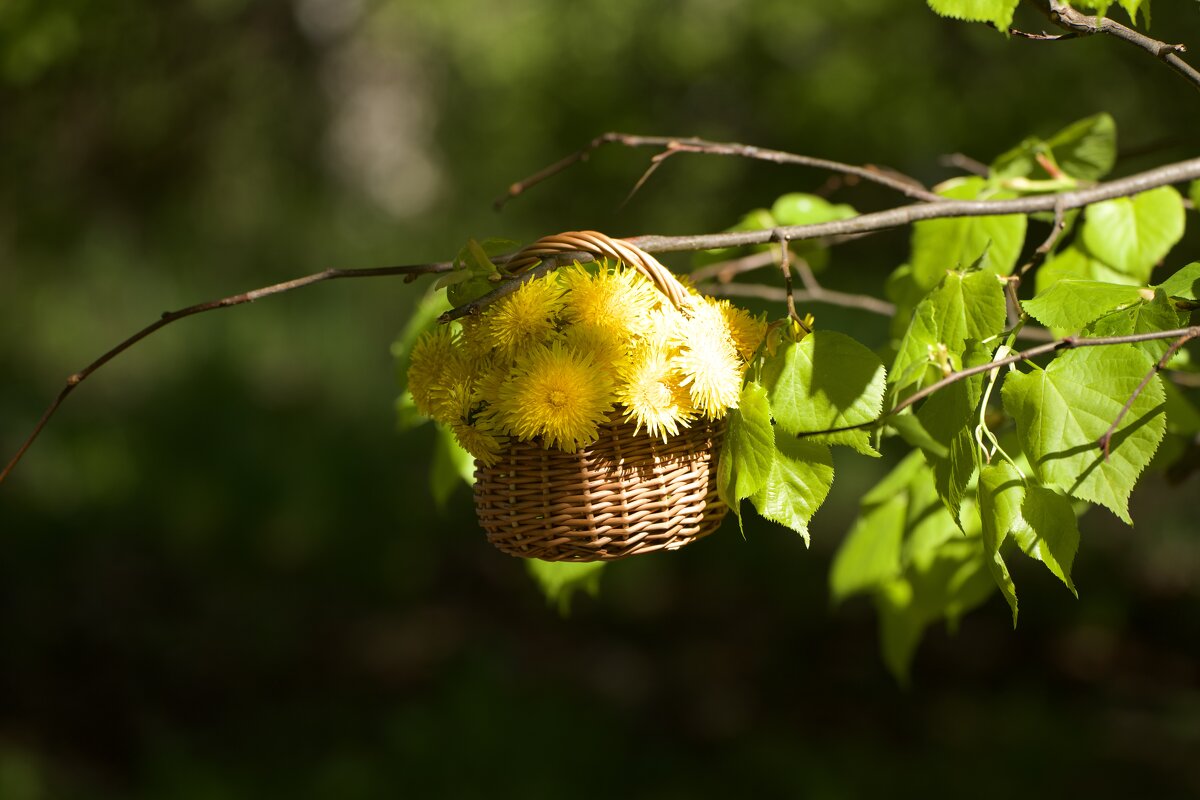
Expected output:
(808, 395)
(936, 536)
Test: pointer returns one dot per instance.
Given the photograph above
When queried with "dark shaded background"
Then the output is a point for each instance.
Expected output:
(222, 575)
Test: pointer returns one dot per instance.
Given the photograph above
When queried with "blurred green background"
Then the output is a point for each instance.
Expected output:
(221, 572)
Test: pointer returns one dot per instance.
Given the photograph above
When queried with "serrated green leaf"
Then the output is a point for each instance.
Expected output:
(1062, 411)
(1184, 283)
(870, 554)
(1069, 304)
(826, 380)
(748, 451)
(800, 477)
(1050, 533)
(939, 245)
(1132, 234)
(1076, 262)
(559, 580)
(997, 12)
(1001, 492)
(950, 416)
(963, 306)
(1143, 317)
(1085, 150)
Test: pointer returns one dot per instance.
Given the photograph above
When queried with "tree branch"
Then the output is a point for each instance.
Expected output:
(892, 218)
(907, 186)
(1067, 18)
(862, 302)
(168, 317)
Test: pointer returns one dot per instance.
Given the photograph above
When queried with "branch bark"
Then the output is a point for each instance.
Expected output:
(1080, 24)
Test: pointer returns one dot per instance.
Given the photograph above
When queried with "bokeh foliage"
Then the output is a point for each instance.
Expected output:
(223, 574)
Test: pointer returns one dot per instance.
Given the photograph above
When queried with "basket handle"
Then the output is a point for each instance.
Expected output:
(600, 244)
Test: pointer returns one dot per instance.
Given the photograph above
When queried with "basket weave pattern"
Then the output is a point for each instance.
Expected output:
(623, 495)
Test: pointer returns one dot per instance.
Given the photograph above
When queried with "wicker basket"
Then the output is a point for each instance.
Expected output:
(622, 495)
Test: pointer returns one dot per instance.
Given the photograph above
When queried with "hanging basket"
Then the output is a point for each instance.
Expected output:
(622, 495)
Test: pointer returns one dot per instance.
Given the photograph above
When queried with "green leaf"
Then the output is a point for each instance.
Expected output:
(912, 431)
(1194, 194)
(1001, 491)
(799, 481)
(1050, 533)
(963, 306)
(950, 416)
(1085, 150)
(450, 467)
(997, 12)
(807, 209)
(1069, 304)
(1062, 411)
(1076, 262)
(748, 451)
(559, 580)
(1184, 283)
(870, 554)
(826, 380)
(1132, 234)
(1153, 316)
(939, 245)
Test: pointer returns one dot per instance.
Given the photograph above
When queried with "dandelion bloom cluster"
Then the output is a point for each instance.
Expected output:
(557, 358)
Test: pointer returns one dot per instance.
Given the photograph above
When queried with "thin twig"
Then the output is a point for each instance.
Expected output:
(1043, 249)
(862, 302)
(965, 163)
(1068, 343)
(1067, 18)
(883, 220)
(785, 267)
(726, 271)
(235, 300)
(1043, 36)
(1105, 441)
(907, 186)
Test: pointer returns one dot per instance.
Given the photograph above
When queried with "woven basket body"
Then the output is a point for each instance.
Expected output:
(623, 495)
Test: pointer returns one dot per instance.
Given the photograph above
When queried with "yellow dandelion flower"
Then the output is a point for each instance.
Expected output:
(480, 441)
(451, 398)
(526, 317)
(746, 329)
(663, 328)
(709, 362)
(489, 377)
(475, 340)
(557, 394)
(615, 298)
(605, 346)
(653, 394)
(435, 355)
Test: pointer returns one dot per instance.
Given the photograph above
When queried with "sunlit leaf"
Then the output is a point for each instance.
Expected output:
(1132, 234)
(1062, 411)
(797, 485)
(1070, 304)
(826, 380)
